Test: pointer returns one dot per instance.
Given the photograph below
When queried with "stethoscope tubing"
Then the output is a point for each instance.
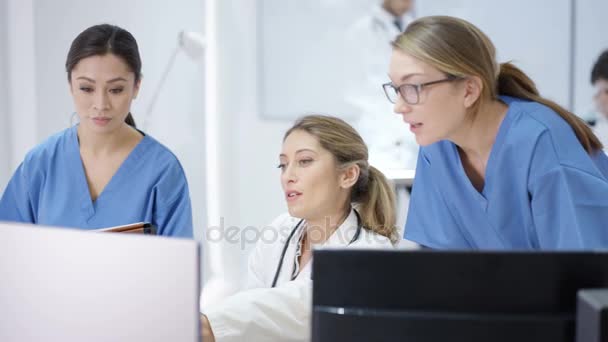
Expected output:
(294, 230)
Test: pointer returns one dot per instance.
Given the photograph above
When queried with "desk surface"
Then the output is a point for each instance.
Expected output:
(401, 177)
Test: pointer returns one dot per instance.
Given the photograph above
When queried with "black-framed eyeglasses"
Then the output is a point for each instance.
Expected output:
(411, 92)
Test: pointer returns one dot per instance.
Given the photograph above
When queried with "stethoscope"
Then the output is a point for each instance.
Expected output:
(293, 232)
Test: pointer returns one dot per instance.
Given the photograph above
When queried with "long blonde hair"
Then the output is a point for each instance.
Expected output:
(372, 194)
(457, 47)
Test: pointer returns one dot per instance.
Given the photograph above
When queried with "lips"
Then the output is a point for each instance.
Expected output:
(415, 126)
(101, 120)
(292, 195)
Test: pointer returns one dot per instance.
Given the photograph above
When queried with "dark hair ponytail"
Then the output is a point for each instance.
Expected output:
(514, 82)
(100, 40)
(129, 120)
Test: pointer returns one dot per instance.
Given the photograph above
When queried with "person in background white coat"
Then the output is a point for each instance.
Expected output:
(335, 199)
(599, 80)
(369, 45)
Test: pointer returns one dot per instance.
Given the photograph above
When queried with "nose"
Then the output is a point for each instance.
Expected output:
(401, 107)
(102, 101)
(289, 175)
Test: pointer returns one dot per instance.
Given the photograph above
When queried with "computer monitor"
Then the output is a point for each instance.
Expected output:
(60, 284)
(429, 296)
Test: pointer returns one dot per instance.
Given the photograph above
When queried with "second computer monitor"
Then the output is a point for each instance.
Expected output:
(429, 296)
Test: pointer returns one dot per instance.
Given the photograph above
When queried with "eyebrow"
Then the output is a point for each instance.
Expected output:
(298, 151)
(405, 77)
(117, 79)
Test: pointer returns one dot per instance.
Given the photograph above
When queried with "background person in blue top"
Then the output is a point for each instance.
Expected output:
(102, 172)
(500, 167)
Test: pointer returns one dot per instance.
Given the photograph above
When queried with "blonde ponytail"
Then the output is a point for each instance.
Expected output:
(514, 82)
(377, 205)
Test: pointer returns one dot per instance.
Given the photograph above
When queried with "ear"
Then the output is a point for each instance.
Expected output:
(473, 87)
(349, 176)
(136, 89)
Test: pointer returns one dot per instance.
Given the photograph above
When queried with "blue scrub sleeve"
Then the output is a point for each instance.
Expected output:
(173, 215)
(569, 206)
(16, 204)
(429, 222)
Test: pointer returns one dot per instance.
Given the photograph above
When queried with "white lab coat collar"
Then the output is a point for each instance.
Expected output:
(601, 130)
(387, 18)
(344, 234)
(341, 237)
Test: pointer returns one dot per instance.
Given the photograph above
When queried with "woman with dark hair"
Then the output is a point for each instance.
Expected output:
(500, 166)
(103, 171)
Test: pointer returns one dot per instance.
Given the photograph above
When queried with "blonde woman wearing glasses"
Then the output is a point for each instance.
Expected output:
(500, 167)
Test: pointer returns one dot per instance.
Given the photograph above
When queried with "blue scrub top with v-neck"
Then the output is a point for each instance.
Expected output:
(542, 190)
(50, 188)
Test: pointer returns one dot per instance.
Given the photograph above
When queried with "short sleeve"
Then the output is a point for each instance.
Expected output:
(569, 204)
(16, 204)
(173, 215)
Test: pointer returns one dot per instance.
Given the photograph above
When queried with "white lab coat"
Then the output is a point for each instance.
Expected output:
(283, 313)
(601, 130)
(391, 144)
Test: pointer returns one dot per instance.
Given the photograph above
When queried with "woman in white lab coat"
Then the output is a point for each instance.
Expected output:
(335, 199)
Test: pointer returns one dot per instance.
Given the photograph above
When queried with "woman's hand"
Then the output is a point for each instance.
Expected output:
(206, 332)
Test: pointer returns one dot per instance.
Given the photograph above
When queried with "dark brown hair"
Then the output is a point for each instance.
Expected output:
(103, 39)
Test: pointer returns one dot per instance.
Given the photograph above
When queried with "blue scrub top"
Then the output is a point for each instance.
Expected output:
(542, 190)
(50, 188)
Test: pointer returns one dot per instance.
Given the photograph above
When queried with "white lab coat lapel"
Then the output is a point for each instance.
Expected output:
(290, 255)
(339, 238)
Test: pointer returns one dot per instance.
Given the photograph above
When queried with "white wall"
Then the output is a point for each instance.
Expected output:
(4, 145)
(21, 79)
(250, 193)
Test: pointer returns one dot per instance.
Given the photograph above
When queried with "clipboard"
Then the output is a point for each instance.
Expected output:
(133, 228)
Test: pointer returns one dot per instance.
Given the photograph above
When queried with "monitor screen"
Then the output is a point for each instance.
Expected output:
(430, 295)
(60, 284)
